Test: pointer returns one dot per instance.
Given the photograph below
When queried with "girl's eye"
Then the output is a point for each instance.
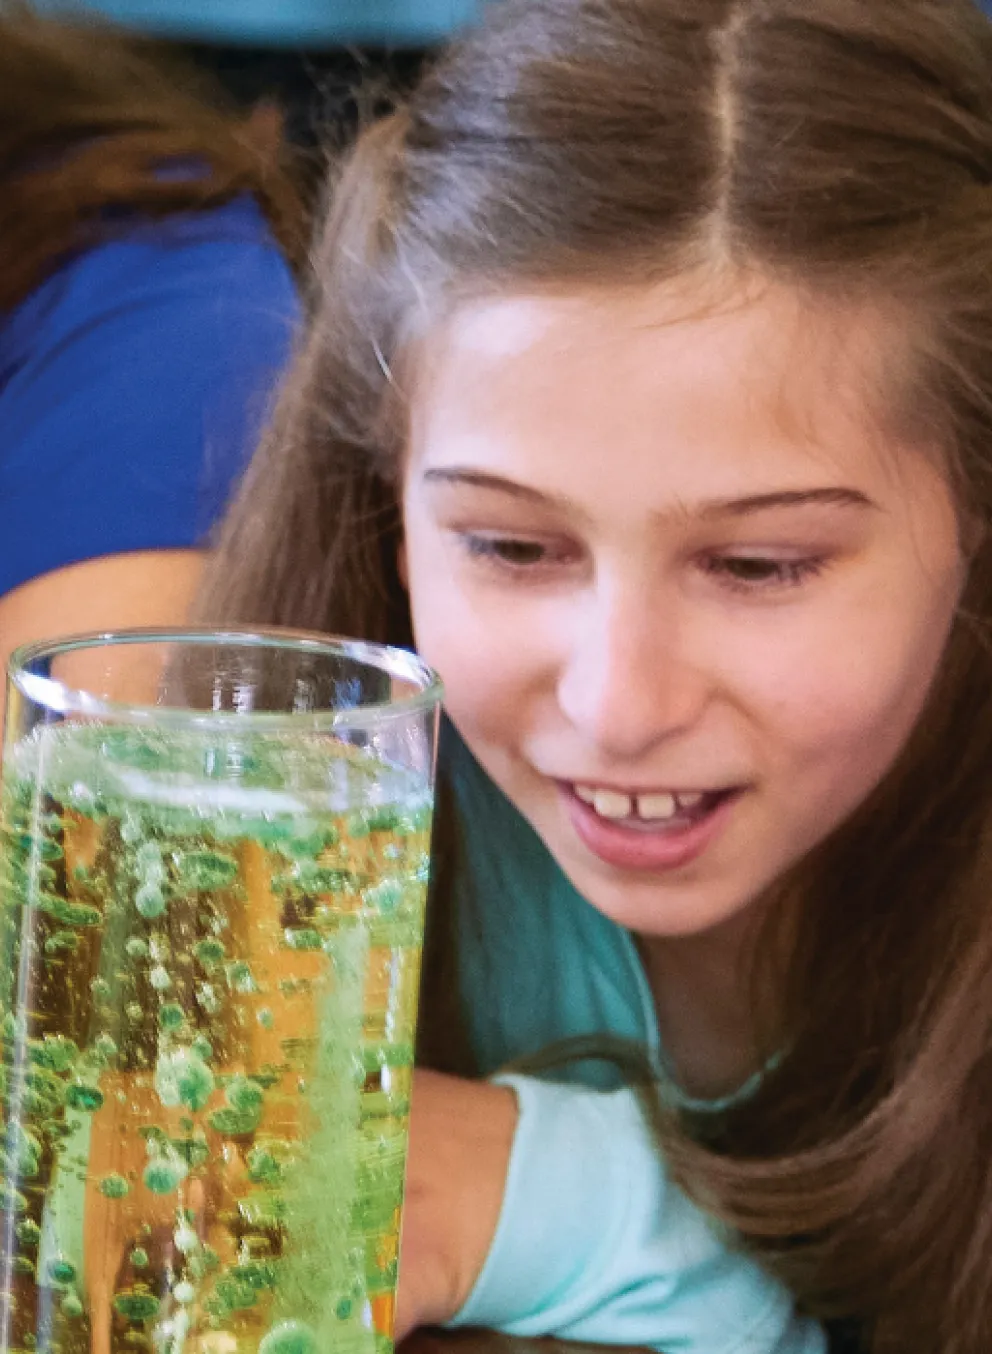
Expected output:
(512, 552)
(756, 573)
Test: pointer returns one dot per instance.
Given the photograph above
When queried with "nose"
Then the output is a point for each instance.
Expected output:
(627, 681)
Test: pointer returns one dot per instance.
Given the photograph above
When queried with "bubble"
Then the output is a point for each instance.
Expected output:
(150, 901)
(28, 1232)
(60, 1270)
(202, 1047)
(344, 1309)
(71, 1305)
(386, 896)
(131, 830)
(105, 1048)
(147, 856)
(137, 948)
(164, 1174)
(114, 1187)
(206, 870)
(184, 1292)
(139, 1257)
(239, 977)
(206, 995)
(289, 1337)
(244, 1095)
(265, 1018)
(209, 952)
(55, 1052)
(159, 978)
(137, 1303)
(133, 1011)
(62, 942)
(304, 938)
(170, 1016)
(263, 1168)
(186, 1239)
(182, 1078)
(83, 1096)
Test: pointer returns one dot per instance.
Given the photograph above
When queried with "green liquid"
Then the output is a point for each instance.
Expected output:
(209, 962)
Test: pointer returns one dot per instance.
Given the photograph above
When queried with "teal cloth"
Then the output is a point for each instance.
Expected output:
(284, 23)
(594, 1241)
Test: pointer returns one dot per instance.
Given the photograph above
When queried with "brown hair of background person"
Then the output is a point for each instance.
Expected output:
(88, 119)
(844, 148)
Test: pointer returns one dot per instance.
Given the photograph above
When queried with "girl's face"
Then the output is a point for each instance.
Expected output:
(687, 600)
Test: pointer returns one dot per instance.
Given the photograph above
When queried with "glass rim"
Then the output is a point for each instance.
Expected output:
(69, 700)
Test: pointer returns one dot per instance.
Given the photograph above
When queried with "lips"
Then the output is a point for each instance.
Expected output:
(632, 835)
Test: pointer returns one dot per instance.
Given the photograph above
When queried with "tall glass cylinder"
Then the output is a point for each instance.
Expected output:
(213, 867)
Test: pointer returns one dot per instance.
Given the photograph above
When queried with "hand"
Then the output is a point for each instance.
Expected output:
(460, 1138)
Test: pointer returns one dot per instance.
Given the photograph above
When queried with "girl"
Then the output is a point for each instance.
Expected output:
(648, 389)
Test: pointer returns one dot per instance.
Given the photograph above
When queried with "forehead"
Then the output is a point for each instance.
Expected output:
(741, 379)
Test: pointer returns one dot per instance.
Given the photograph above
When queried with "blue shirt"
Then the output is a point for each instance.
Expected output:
(288, 23)
(594, 1242)
(133, 384)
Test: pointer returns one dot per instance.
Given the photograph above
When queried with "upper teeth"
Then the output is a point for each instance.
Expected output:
(616, 804)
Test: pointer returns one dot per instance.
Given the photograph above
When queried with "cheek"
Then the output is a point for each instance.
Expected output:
(478, 649)
(840, 701)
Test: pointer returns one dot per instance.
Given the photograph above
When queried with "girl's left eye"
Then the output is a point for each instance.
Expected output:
(759, 573)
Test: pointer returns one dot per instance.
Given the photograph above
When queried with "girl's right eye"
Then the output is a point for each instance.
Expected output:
(518, 553)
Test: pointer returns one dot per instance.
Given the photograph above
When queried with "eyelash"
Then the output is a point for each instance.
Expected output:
(518, 555)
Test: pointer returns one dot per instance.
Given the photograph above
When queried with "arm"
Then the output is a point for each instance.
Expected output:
(593, 1242)
(144, 588)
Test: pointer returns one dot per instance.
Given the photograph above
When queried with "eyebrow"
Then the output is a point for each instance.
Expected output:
(830, 496)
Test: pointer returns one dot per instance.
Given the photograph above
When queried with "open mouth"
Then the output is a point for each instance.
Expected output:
(656, 831)
(659, 811)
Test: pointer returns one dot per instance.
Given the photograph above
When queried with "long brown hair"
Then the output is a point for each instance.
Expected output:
(89, 119)
(845, 147)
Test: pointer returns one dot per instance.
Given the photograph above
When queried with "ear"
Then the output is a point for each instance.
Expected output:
(401, 566)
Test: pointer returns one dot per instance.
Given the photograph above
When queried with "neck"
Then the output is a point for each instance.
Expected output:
(704, 1002)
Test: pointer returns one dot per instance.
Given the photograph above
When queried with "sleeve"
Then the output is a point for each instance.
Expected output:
(594, 1243)
(139, 397)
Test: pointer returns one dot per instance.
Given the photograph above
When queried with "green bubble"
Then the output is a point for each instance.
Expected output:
(68, 914)
(137, 948)
(385, 896)
(60, 1271)
(22, 1265)
(184, 1292)
(202, 1047)
(105, 1048)
(159, 978)
(181, 1078)
(136, 1304)
(256, 1275)
(55, 1052)
(240, 978)
(139, 1257)
(82, 1096)
(164, 1174)
(133, 1011)
(114, 1187)
(263, 1168)
(149, 853)
(170, 1016)
(321, 879)
(206, 870)
(71, 1305)
(62, 942)
(244, 1095)
(231, 1296)
(289, 1337)
(344, 1309)
(265, 1018)
(150, 901)
(209, 952)
(303, 938)
(234, 1123)
(28, 1232)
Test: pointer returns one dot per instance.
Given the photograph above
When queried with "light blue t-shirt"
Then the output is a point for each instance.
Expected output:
(285, 23)
(594, 1241)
